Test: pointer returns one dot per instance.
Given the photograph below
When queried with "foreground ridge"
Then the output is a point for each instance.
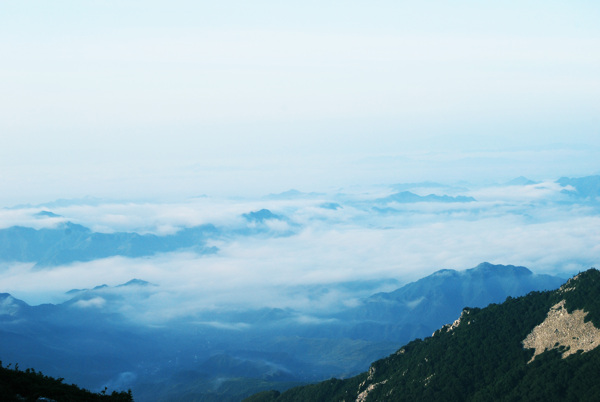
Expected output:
(29, 385)
(539, 346)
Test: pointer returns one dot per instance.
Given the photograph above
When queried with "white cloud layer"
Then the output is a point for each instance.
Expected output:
(529, 225)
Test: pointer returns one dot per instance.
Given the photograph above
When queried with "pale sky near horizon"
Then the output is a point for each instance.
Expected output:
(131, 98)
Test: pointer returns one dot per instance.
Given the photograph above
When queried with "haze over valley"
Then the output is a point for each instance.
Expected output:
(248, 294)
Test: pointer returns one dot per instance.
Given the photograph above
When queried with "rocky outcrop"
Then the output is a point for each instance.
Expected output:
(564, 331)
(362, 397)
(455, 324)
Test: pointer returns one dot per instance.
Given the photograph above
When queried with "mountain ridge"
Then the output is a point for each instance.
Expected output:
(420, 307)
(282, 347)
(484, 355)
(69, 242)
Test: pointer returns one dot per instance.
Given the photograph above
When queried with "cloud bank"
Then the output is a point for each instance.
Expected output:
(299, 256)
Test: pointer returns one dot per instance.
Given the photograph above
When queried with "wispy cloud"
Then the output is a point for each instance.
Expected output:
(96, 302)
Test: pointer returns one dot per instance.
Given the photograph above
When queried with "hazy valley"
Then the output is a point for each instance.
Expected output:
(219, 299)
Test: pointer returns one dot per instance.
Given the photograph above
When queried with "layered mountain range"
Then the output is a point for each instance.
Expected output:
(542, 346)
(226, 355)
(238, 296)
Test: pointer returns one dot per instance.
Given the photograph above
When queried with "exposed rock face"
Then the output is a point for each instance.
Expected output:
(570, 284)
(362, 397)
(455, 324)
(561, 330)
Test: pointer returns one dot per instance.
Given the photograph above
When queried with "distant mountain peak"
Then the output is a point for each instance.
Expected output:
(9, 305)
(584, 187)
(132, 282)
(330, 205)
(486, 267)
(136, 282)
(445, 272)
(70, 227)
(47, 214)
(260, 216)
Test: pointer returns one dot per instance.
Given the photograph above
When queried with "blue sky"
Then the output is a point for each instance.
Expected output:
(132, 98)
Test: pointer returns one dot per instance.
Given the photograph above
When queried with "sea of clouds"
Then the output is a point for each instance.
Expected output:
(305, 257)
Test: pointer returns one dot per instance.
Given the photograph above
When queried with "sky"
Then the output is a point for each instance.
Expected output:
(156, 99)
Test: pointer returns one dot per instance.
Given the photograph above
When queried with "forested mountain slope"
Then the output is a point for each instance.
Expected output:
(520, 350)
